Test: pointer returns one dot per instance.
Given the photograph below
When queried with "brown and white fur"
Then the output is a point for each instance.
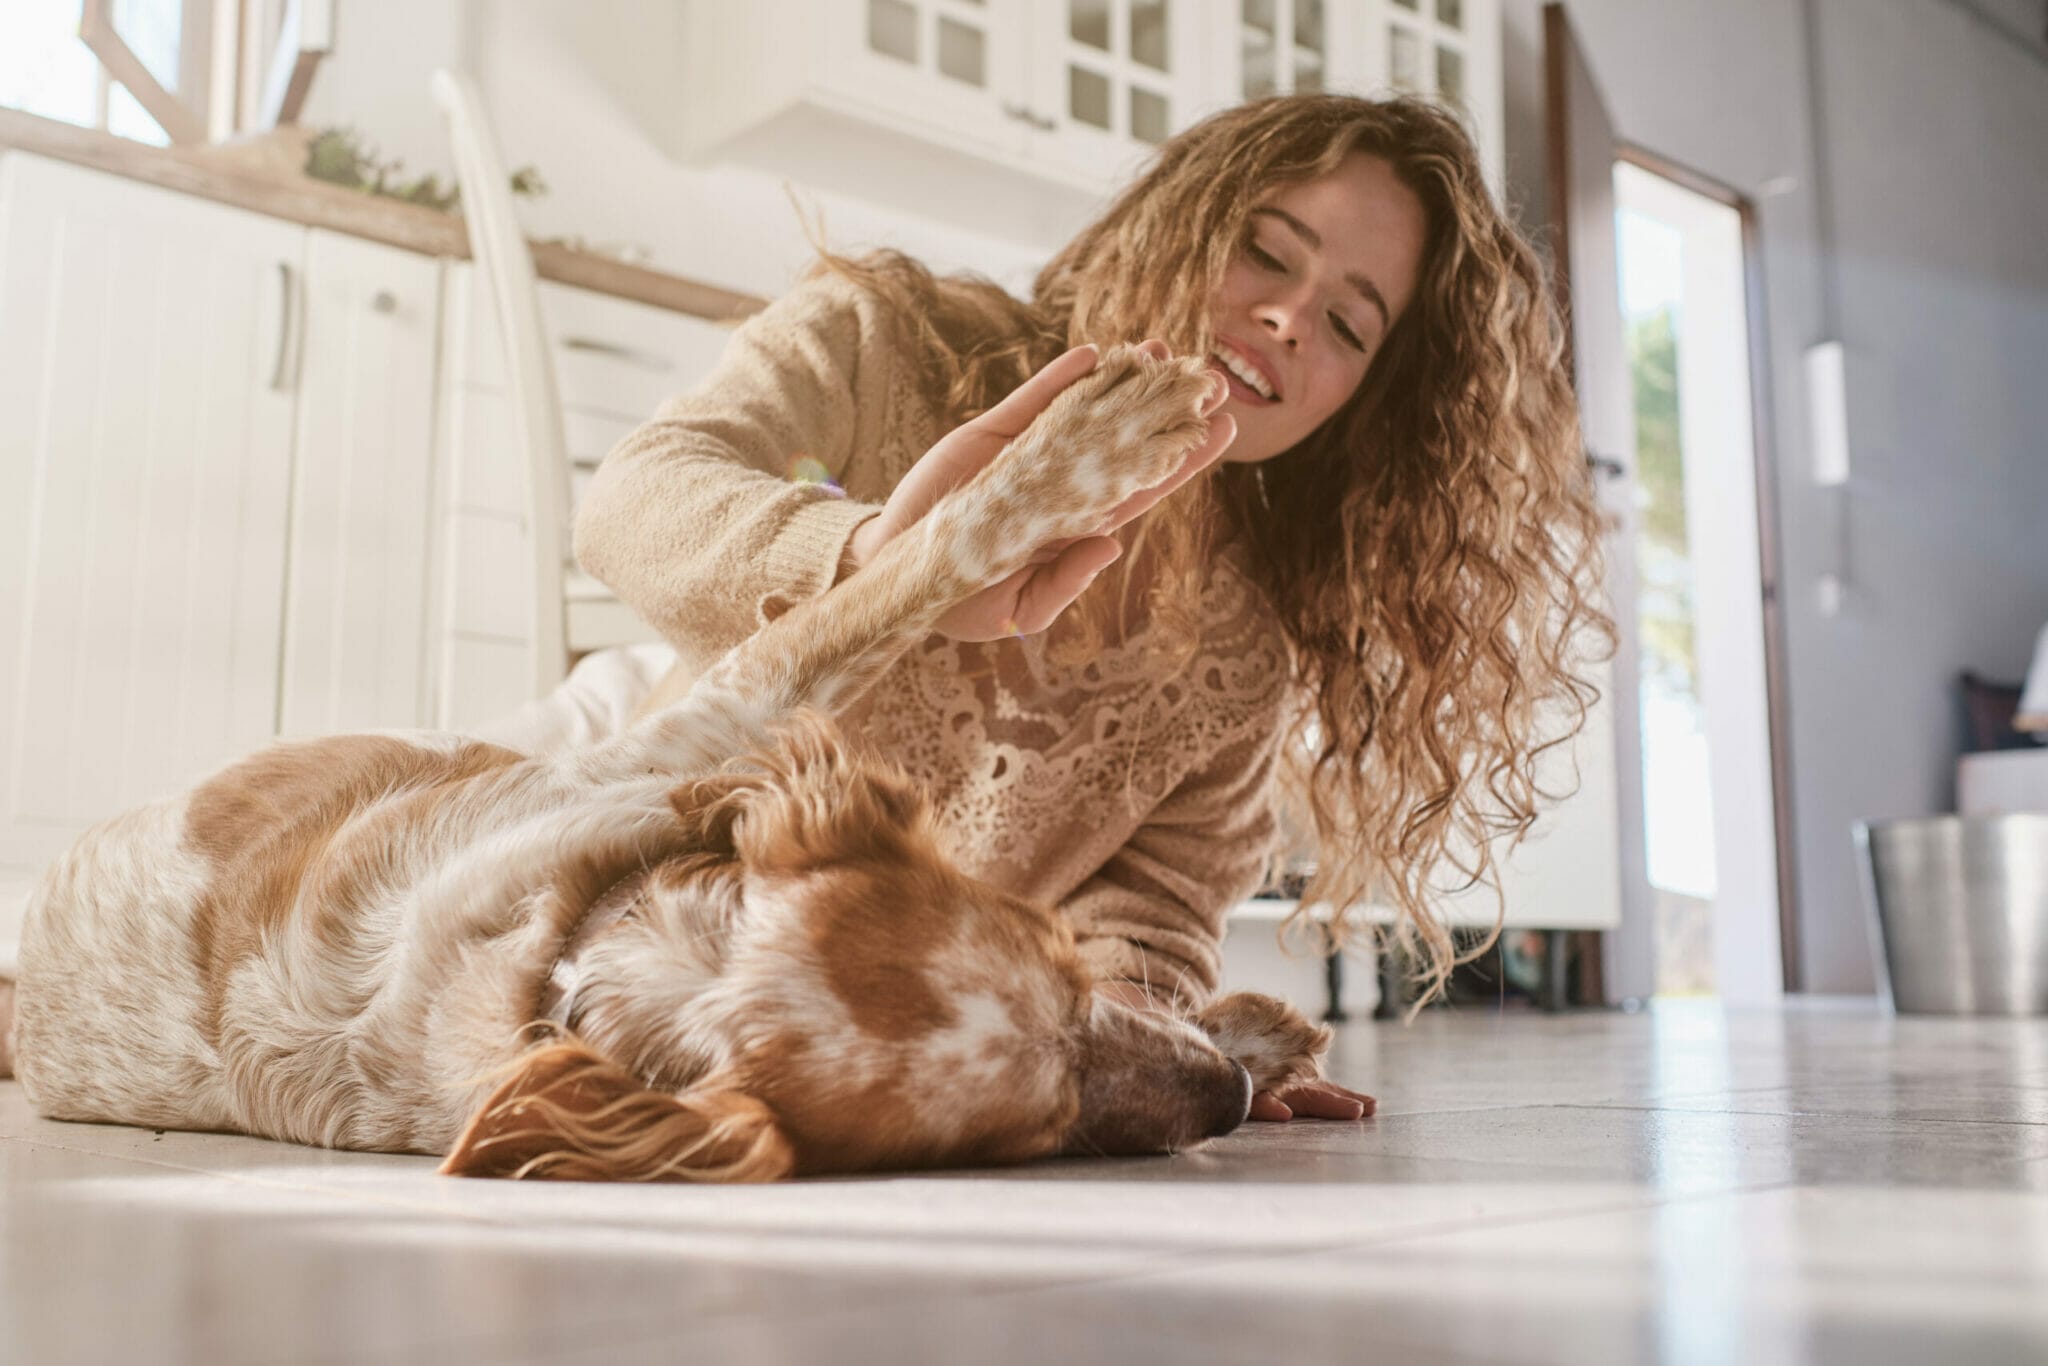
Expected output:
(753, 955)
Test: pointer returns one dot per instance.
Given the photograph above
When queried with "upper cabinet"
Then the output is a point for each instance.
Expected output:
(1018, 117)
(1109, 80)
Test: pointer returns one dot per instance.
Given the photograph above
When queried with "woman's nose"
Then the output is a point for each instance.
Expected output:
(1282, 317)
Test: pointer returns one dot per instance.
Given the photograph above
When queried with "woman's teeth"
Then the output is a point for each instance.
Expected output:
(1245, 371)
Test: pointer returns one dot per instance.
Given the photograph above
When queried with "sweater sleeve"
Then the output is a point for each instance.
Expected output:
(1154, 912)
(695, 519)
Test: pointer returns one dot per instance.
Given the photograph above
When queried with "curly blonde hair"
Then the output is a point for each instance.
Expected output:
(1431, 551)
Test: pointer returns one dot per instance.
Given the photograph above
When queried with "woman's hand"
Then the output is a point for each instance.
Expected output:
(1313, 1100)
(1029, 600)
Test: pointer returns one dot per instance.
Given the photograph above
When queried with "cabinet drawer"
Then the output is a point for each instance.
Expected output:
(611, 356)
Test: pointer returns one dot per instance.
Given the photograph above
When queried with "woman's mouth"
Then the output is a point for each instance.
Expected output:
(1234, 370)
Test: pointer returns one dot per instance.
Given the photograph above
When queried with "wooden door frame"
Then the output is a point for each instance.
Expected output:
(1777, 702)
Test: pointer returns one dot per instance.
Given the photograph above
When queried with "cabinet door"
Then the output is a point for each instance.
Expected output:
(145, 439)
(1290, 47)
(953, 69)
(1449, 49)
(356, 610)
(1445, 49)
(1112, 79)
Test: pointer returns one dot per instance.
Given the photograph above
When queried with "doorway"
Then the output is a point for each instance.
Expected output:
(1710, 793)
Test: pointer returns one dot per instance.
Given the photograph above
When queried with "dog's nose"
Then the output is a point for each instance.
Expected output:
(1233, 1101)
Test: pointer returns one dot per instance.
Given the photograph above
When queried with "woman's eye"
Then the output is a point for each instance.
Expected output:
(1270, 262)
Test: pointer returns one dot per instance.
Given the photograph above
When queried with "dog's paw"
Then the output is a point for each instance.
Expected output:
(1269, 1037)
(1120, 429)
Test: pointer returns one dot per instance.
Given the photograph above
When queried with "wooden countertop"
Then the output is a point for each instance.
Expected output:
(248, 178)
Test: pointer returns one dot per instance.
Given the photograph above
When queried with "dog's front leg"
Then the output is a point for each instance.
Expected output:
(1121, 429)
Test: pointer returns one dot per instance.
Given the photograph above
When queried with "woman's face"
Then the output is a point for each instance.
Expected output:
(1325, 270)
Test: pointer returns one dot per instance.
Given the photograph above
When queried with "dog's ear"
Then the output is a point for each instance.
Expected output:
(568, 1113)
(804, 800)
(708, 808)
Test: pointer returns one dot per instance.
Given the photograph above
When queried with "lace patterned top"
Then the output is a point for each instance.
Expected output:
(1140, 805)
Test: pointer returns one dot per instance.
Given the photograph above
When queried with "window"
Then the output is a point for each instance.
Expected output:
(150, 74)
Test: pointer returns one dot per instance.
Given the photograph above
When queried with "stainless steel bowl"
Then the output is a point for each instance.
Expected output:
(1961, 910)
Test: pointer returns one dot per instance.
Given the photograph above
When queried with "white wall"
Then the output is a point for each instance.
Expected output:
(1931, 179)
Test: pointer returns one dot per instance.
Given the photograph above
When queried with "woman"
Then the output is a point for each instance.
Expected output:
(1378, 590)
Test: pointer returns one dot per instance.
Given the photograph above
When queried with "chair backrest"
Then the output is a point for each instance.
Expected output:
(505, 263)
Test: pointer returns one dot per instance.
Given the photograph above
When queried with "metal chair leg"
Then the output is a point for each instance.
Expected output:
(1393, 985)
(1555, 990)
(1333, 980)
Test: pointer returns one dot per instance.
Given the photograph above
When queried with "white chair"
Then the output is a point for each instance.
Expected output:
(506, 264)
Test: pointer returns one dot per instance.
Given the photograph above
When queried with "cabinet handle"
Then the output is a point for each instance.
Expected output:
(1038, 121)
(280, 378)
(632, 355)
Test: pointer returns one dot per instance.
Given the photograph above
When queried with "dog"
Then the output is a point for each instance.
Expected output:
(722, 946)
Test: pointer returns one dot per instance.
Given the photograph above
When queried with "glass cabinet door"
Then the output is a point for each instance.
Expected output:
(946, 37)
(955, 63)
(1113, 78)
(1429, 48)
(1283, 47)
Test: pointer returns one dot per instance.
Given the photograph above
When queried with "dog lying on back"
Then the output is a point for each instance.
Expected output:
(721, 946)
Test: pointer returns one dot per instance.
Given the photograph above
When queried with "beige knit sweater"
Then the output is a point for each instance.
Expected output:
(1141, 807)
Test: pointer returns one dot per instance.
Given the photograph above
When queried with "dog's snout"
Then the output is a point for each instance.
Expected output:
(1233, 1101)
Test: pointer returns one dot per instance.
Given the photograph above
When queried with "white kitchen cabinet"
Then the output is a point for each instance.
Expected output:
(216, 475)
(259, 479)
(355, 609)
(1107, 81)
(1018, 117)
(146, 410)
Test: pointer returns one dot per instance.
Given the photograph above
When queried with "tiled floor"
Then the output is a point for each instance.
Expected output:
(1824, 1184)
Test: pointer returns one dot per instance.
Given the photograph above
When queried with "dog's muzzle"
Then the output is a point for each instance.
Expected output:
(1231, 1103)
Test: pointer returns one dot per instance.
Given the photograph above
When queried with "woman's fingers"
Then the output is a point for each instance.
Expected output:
(1054, 587)
(1327, 1100)
(1269, 1107)
(1313, 1100)
(1009, 418)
